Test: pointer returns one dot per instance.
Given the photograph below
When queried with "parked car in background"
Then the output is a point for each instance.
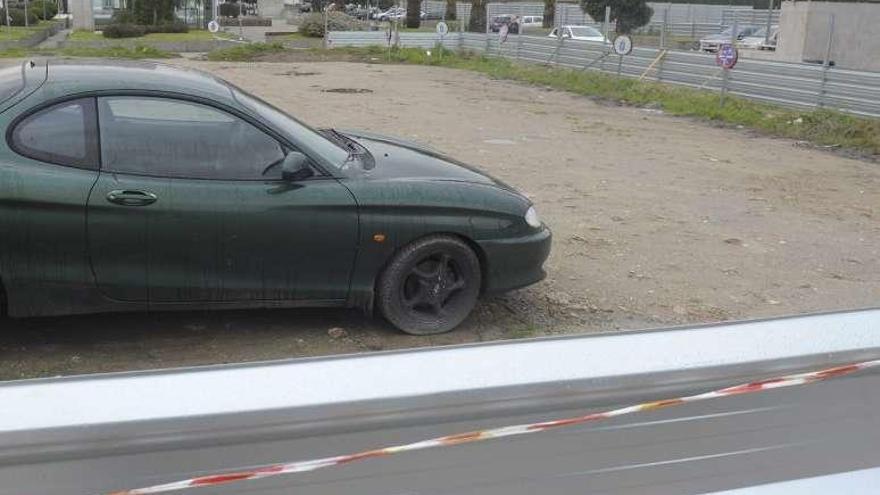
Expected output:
(392, 13)
(770, 43)
(532, 21)
(305, 6)
(432, 16)
(756, 41)
(579, 33)
(713, 42)
(511, 21)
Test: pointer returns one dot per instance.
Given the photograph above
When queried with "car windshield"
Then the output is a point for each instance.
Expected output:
(329, 150)
(585, 31)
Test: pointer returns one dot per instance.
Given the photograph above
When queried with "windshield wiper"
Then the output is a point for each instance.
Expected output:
(345, 142)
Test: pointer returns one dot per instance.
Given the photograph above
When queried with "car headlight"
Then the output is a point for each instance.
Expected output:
(532, 218)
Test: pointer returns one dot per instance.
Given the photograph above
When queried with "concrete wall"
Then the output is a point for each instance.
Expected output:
(805, 28)
(82, 13)
(270, 8)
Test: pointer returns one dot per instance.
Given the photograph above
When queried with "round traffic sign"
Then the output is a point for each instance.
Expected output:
(442, 28)
(213, 26)
(727, 56)
(623, 45)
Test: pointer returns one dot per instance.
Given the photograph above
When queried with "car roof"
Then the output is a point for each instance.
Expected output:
(74, 76)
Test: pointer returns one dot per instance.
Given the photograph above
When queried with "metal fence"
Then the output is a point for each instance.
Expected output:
(687, 20)
(783, 83)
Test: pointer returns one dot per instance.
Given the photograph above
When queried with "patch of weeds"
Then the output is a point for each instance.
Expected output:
(244, 52)
(526, 331)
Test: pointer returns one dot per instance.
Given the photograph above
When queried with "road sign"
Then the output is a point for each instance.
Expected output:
(727, 56)
(213, 26)
(502, 33)
(442, 29)
(623, 45)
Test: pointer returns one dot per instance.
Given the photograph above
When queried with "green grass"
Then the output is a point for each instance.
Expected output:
(14, 53)
(15, 33)
(821, 127)
(192, 35)
(244, 52)
(136, 52)
(290, 37)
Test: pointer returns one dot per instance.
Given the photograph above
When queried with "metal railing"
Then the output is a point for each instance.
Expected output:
(782, 83)
(96, 434)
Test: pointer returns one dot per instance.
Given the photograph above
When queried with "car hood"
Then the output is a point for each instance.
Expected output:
(402, 159)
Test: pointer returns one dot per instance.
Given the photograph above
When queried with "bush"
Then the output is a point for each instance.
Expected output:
(229, 10)
(37, 8)
(167, 27)
(123, 16)
(17, 16)
(124, 31)
(313, 24)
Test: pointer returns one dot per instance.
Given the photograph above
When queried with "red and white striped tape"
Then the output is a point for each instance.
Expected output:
(507, 431)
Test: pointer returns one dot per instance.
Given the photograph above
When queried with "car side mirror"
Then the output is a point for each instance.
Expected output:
(296, 167)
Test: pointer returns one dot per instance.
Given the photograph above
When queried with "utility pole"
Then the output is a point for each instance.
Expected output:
(769, 22)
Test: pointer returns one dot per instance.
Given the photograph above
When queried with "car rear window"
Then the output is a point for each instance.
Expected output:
(11, 82)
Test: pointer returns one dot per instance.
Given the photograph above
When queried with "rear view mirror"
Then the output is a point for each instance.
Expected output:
(296, 167)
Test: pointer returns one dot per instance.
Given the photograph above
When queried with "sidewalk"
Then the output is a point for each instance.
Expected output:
(55, 40)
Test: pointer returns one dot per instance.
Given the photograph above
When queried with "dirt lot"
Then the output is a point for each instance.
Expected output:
(657, 220)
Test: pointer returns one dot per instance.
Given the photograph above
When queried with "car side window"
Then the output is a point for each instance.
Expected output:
(63, 134)
(164, 137)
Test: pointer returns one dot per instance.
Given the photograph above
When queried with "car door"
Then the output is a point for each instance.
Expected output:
(45, 178)
(190, 206)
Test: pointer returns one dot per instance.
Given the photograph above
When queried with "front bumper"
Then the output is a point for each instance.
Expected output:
(517, 262)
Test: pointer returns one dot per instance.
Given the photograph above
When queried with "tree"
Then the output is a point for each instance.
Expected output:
(549, 13)
(477, 22)
(627, 14)
(413, 13)
(451, 7)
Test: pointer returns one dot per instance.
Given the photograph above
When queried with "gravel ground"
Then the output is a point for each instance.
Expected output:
(657, 221)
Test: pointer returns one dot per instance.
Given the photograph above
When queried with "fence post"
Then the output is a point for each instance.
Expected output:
(726, 79)
(606, 26)
(486, 30)
(826, 63)
(324, 42)
(663, 28)
(769, 22)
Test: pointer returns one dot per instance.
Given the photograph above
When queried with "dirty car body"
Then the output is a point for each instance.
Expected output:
(142, 186)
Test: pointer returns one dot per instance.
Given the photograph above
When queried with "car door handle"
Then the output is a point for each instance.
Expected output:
(128, 197)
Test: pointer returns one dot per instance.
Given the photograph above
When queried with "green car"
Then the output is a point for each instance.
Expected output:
(132, 187)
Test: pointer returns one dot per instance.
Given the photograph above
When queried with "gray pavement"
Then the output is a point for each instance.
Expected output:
(736, 442)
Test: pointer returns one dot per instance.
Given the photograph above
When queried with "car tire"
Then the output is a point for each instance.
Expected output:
(430, 286)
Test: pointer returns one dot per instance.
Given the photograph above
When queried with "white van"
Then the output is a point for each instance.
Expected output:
(532, 21)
